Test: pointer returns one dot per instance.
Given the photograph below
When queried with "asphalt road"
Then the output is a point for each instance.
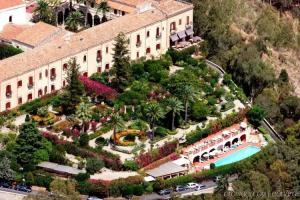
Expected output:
(13, 191)
(210, 185)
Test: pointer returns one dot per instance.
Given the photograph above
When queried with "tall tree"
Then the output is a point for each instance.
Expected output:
(28, 142)
(74, 20)
(103, 8)
(6, 173)
(117, 123)
(74, 90)
(121, 60)
(188, 94)
(153, 112)
(175, 106)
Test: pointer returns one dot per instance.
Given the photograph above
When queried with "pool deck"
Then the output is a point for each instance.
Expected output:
(199, 166)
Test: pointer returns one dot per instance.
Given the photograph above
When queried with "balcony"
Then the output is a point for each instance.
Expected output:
(99, 59)
(188, 26)
(30, 85)
(138, 44)
(8, 94)
(53, 77)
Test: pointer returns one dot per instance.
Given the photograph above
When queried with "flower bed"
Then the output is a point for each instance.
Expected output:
(50, 119)
(125, 133)
(62, 126)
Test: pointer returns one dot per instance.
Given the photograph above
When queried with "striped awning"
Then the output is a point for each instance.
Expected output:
(174, 37)
(189, 31)
(181, 34)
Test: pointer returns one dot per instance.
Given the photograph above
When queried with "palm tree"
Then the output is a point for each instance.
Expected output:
(175, 106)
(73, 21)
(117, 123)
(153, 112)
(187, 93)
(84, 113)
(103, 8)
(43, 11)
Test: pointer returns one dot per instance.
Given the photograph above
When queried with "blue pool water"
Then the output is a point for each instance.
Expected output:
(237, 156)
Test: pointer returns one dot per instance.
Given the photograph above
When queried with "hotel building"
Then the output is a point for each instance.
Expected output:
(151, 28)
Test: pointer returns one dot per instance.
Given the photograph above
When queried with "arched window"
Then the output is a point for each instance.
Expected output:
(40, 93)
(148, 33)
(65, 66)
(84, 58)
(10, 19)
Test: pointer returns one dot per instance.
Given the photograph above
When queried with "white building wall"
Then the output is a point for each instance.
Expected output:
(18, 14)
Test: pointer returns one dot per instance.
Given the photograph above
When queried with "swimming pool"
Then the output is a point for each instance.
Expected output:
(237, 156)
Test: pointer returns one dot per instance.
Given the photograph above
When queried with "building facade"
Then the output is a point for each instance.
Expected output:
(40, 71)
(12, 11)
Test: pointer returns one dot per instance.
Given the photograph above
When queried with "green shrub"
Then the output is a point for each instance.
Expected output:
(130, 165)
(160, 132)
(211, 100)
(82, 177)
(200, 110)
(101, 141)
(84, 140)
(93, 165)
(43, 180)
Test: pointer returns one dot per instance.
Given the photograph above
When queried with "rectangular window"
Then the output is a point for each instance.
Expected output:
(65, 66)
(188, 20)
(29, 97)
(157, 46)
(148, 33)
(30, 81)
(148, 50)
(7, 105)
(107, 66)
(20, 83)
(52, 88)
(52, 73)
(106, 50)
(46, 72)
(8, 91)
(99, 69)
(99, 55)
(40, 75)
(20, 100)
(179, 21)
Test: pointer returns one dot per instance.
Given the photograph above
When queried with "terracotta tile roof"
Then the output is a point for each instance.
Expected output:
(133, 3)
(171, 7)
(37, 34)
(122, 7)
(91, 37)
(11, 31)
(10, 3)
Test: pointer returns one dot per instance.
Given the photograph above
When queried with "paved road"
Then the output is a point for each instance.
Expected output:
(210, 185)
(9, 194)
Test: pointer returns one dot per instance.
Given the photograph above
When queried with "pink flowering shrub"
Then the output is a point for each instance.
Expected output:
(145, 159)
(98, 88)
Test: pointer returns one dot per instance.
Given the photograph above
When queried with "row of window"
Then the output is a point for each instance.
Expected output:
(29, 96)
(173, 24)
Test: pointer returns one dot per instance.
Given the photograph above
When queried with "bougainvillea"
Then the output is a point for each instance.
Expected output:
(98, 88)
(145, 159)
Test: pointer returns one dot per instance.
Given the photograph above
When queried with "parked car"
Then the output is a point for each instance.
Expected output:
(5, 185)
(93, 198)
(191, 185)
(180, 188)
(22, 188)
(200, 187)
(165, 192)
